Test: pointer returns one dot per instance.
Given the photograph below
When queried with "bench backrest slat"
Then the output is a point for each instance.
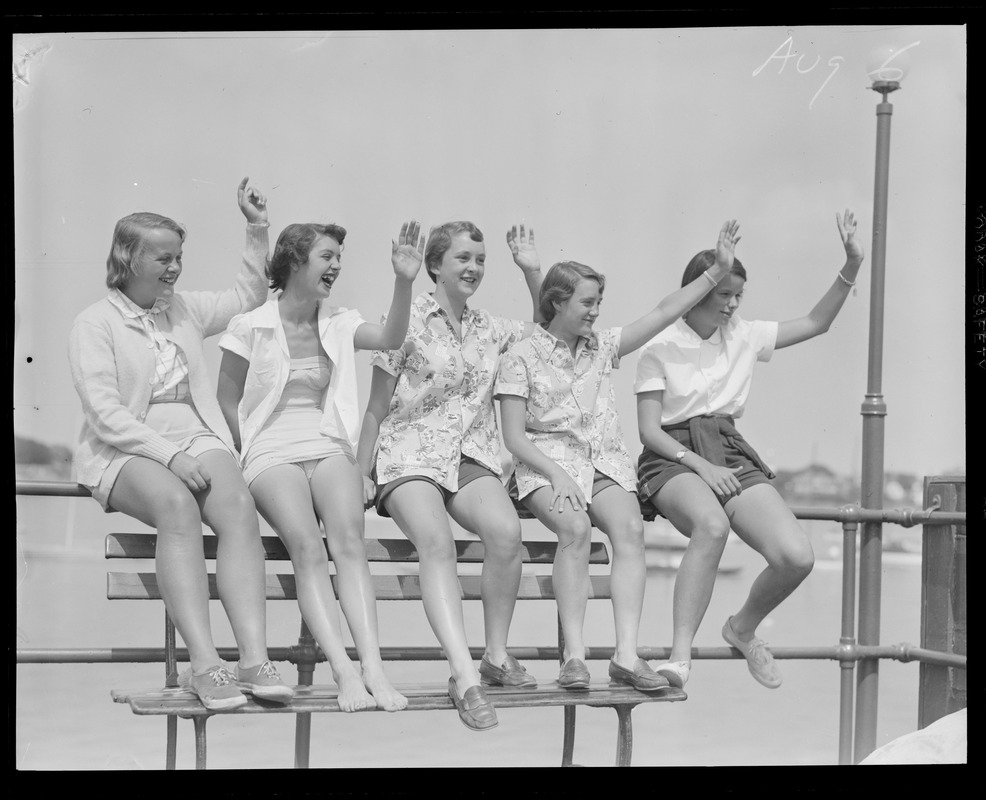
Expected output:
(395, 551)
(144, 586)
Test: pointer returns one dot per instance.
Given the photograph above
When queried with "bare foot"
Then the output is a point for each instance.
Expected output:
(352, 693)
(387, 697)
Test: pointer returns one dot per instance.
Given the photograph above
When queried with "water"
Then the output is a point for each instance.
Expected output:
(65, 719)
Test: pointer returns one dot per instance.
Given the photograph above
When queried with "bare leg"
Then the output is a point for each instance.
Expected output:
(762, 520)
(337, 489)
(418, 508)
(693, 509)
(484, 508)
(284, 497)
(616, 513)
(570, 572)
(151, 493)
(229, 510)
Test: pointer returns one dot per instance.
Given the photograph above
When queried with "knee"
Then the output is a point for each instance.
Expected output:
(238, 504)
(176, 509)
(797, 561)
(308, 551)
(347, 541)
(803, 562)
(575, 533)
(504, 544)
(436, 549)
(711, 528)
(628, 538)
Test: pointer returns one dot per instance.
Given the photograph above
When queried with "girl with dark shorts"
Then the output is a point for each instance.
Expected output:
(696, 470)
(572, 470)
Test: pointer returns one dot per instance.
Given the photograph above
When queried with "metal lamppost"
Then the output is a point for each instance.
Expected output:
(886, 72)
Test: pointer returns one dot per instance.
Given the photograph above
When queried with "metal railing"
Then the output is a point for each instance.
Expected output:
(848, 652)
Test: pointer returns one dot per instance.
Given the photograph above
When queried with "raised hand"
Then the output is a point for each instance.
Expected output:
(252, 202)
(847, 230)
(408, 251)
(726, 245)
(522, 248)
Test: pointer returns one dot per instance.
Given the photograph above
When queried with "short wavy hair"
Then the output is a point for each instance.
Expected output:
(440, 240)
(704, 260)
(560, 282)
(294, 246)
(130, 241)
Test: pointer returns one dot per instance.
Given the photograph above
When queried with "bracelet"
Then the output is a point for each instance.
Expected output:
(850, 284)
(712, 280)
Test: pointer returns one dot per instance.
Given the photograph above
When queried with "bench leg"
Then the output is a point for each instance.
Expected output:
(624, 744)
(302, 740)
(568, 745)
(306, 677)
(199, 723)
(172, 746)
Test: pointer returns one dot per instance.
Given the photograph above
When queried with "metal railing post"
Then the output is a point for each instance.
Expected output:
(874, 410)
(847, 641)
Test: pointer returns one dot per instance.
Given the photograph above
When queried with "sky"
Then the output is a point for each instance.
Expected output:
(624, 149)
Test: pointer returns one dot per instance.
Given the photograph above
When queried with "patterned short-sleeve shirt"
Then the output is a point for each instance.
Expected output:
(571, 407)
(442, 408)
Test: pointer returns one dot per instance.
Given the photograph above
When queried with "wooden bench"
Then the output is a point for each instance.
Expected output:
(174, 702)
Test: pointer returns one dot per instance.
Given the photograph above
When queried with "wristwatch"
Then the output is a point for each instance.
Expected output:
(680, 455)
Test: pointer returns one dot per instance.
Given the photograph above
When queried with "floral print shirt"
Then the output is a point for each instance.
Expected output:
(571, 407)
(442, 408)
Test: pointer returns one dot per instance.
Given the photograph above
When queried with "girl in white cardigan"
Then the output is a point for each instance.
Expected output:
(155, 446)
(287, 387)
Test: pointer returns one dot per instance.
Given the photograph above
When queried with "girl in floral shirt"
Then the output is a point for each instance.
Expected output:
(430, 451)
(572, 469)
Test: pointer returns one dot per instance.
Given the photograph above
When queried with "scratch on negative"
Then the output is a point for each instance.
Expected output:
(20, 65)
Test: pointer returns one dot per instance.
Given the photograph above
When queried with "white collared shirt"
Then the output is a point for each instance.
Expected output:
(258, 336)
(704, 376)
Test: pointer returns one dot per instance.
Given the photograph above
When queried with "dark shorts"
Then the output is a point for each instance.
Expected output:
(469, 470)
(653, 471)
(599, 482)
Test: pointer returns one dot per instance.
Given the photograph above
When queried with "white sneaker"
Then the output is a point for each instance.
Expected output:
(675, 671)
(263, 681)
(758, 658)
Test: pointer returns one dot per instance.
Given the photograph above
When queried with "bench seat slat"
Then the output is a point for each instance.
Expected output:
(144, 586)
(421, 697)
(394, 551)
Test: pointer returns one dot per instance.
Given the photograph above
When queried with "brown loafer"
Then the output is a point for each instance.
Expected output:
(474, 707)
(510, 674)
(641, 677)
(574, 674)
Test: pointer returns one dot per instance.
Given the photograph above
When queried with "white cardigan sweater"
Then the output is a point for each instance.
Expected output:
(113, 368)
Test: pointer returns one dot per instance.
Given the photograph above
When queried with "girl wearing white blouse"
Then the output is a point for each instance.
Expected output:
(287, 386)
(572, 469)
(697, 471)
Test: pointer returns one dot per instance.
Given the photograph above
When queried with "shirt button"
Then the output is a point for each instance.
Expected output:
(150, 345)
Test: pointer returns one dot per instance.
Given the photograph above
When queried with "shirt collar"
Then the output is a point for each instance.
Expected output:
(546, 341)
(685, 330)
(131, 310)
(428, 306)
